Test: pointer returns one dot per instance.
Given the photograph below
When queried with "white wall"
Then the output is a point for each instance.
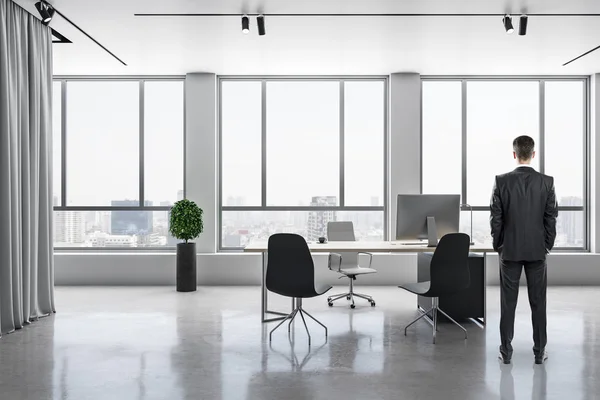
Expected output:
(404, 139)
(201, 152)
(595, 164)
(244, 269)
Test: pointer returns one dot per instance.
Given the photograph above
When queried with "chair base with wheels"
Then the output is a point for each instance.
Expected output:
(292, 315)
(348, 264)
(350, 295)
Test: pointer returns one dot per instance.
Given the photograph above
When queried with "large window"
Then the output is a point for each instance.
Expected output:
(468, 129)
(118, 161)
(298, 153)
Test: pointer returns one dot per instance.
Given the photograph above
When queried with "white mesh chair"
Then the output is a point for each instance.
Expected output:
(347, 263)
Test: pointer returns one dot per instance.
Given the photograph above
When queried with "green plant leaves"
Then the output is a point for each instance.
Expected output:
(186, 220)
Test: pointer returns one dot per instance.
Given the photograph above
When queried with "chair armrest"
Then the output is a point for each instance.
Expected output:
(338, 255)
(370, 257)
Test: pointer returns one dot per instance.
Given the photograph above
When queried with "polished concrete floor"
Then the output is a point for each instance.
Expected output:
(154, 343)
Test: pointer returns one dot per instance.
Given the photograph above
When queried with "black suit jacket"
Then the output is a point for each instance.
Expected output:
(523, 215)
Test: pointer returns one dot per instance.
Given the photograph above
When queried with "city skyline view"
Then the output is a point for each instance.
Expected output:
(303, 155)
(137, 228)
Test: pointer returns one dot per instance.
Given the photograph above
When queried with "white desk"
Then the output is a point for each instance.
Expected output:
(338, 247)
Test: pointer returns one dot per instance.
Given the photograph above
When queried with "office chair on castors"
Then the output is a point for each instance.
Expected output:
(347, 262)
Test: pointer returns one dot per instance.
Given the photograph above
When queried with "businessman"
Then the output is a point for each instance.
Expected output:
(523, 221)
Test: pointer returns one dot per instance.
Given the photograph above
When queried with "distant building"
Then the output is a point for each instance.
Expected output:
(105, 221)
(130, 222)
(161, 218)
(300, 220)
(151, 240)
(317, 220)
(69, 227)
(375, 201)
(101, 239)
(570, 223)
(90, 220)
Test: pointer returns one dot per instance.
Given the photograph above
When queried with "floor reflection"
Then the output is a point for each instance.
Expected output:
(358, 346)
(523, 378)
(154, 343)
(540, 383)
(292, 357)
(507, 383)
(591, 347)
(95, 353)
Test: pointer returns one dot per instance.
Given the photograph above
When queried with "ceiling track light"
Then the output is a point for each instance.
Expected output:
(45, 10)
(523, 25)
(260, 21)
(245, 24)
(508, 26)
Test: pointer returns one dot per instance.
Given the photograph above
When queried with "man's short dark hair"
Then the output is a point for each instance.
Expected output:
(523, 146)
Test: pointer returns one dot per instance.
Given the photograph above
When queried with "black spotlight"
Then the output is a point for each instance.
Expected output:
(523, 25)
(260, 21)
(508, 24)
(46, 11)
(245, 24)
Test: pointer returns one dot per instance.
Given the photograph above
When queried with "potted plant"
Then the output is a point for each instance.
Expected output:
(186, 224)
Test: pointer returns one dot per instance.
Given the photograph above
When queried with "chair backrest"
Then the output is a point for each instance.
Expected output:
(343, 231)
(450, 265)
(290, 267)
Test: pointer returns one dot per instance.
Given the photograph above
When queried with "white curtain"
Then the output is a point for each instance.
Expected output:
(26, 259)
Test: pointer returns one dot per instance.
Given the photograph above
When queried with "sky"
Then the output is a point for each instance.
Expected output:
(303, 124)
(103, 141)
(497, 112)
(303, 141)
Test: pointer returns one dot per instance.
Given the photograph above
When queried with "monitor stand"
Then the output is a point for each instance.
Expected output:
(431, 232)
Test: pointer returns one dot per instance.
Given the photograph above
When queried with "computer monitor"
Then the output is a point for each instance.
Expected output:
(427, 216)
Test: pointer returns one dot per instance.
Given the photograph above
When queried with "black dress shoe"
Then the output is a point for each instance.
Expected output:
(541, 358)
(505, 360)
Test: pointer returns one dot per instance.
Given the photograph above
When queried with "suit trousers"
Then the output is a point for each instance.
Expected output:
(510, 274)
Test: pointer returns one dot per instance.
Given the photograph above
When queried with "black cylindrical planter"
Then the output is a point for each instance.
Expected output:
(186, 267)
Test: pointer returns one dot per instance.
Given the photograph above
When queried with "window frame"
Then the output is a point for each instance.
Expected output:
(341, 194)
(540, 150)
(64, 79)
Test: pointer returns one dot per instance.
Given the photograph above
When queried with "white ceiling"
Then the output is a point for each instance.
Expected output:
(324, 45)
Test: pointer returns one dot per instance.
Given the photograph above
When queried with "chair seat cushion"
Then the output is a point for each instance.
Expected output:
(357, 271)
(321, 288)
(417, 288)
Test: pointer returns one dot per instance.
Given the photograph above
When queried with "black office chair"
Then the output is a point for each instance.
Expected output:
(291, 273)
(449, 275)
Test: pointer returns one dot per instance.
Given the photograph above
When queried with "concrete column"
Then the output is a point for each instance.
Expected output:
(201, 152)
(594, 164)
(404, 140)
